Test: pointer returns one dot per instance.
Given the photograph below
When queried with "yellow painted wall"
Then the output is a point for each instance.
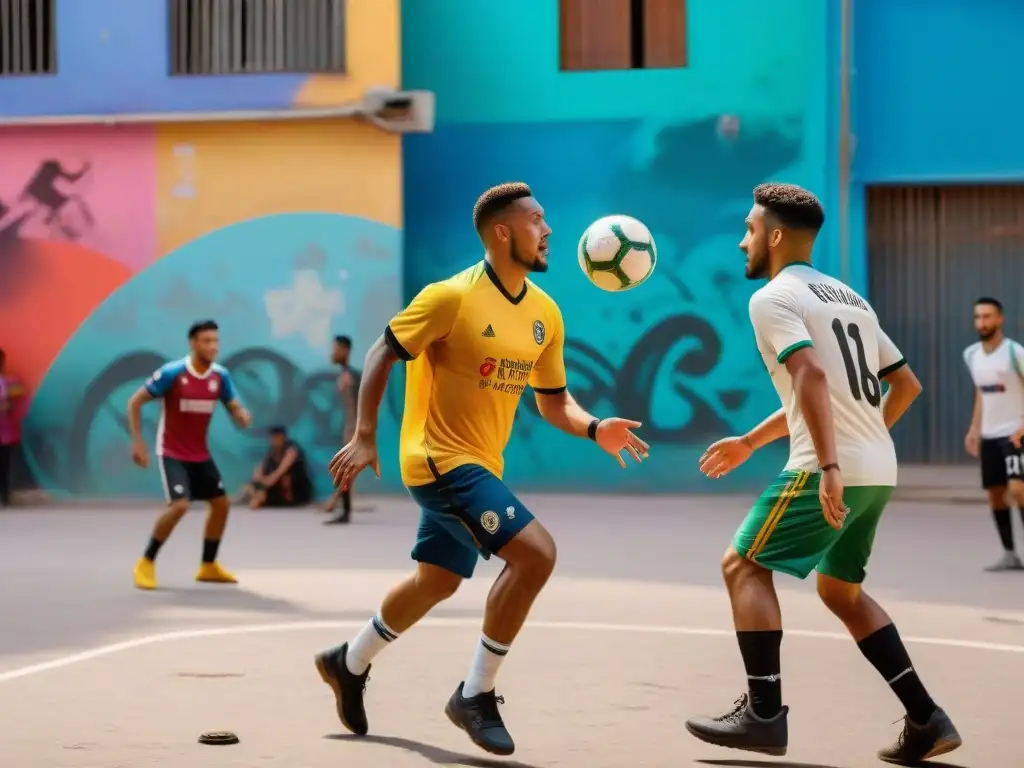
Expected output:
(373, 43)
(211, 175)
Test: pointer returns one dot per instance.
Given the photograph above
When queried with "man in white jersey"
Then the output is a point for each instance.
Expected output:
(827, 355)
(996, 364)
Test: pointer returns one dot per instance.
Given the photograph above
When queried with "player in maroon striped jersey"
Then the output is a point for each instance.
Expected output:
(190, 389)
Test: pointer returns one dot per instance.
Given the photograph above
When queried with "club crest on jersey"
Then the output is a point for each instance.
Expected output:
(490, 521)
(538, 331)
(213, 385)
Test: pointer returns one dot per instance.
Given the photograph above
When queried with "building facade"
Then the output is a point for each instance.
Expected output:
(115, 238)
(161, 167)
(679, 146)
(937, 192)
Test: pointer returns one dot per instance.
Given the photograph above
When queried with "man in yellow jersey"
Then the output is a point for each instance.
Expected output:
(473, 343)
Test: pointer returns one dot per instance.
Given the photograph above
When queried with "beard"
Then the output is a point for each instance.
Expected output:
(757, 267)
(535, 264)
(986, 335)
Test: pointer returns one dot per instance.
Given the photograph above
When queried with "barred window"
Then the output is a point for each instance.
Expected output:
(27, 37)
(227, 37)
(622, 34)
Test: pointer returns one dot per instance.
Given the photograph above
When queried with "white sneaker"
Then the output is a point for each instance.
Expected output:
(1008, 562)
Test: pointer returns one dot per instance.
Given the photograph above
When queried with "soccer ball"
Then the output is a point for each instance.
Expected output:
(617, 253)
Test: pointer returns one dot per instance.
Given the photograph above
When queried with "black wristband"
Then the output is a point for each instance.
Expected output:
(592, 429)
(827, 467)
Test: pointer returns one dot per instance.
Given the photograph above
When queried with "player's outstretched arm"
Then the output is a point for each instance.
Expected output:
(376, 370)
(971, 442)
(903, 390)
(135, 403)
(156, 386)
(560, 409)
(361, 451)
(810, 386)
(613, 435)
(723, 456)
(229, 397)
(768, 431)
(428, 318)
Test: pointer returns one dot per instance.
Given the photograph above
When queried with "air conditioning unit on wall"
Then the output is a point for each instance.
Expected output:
(399, 111)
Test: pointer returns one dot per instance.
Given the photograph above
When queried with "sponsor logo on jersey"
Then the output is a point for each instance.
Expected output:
(186, 405)
(488, 366)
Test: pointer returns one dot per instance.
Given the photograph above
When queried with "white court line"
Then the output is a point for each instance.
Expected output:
(576, 626)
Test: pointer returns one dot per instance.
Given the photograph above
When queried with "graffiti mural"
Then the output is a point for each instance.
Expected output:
(301, 278)
(75, 222)
(107, 255)
(115, 238)
(678, 353)
(63, 215)
(92, 186)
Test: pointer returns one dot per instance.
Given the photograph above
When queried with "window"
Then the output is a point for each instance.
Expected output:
(622, 34)
(27, 39)
(228, 37)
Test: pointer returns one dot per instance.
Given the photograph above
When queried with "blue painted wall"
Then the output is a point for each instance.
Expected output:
(113, 57)
(678, 353)
(937, 90)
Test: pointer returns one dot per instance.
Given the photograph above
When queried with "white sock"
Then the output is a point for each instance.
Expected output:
(484, 669)
(371, 640)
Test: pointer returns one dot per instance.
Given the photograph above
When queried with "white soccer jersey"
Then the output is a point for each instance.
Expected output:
(997, 375)
(802, 307)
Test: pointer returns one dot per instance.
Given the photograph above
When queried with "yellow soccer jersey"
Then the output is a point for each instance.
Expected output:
(471, 349)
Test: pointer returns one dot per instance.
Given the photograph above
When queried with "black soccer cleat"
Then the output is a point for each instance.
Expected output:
(348, 688)
(923, 742)
(742, 729)
(480, 719)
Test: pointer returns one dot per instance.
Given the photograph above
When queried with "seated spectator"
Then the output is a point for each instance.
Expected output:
(282, 478)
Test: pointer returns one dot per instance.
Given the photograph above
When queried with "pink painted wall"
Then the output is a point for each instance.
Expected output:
(105, 177)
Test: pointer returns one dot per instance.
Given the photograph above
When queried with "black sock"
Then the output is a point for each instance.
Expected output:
(153, 549)
(760, 651)
(210, 547)
(1004, 525)
(885, 650)
(346, 501)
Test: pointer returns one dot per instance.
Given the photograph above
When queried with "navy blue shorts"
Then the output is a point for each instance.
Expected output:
(465, 514)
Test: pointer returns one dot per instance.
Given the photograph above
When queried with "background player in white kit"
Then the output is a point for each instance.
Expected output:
(996, 364)
(826, 354)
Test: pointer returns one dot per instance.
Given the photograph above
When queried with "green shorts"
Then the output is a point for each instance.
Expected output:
(786, 530)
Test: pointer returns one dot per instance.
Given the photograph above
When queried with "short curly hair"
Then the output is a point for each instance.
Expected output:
(496, 199)
(794, 207)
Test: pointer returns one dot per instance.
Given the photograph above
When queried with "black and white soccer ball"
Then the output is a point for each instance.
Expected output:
(617, 253)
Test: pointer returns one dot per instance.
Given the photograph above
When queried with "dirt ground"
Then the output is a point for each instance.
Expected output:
(632, 636)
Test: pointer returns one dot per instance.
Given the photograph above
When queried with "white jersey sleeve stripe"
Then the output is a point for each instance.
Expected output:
(889, 369)
(784, 354)
(1016, 355)
(969, 353)
(779, 322)
(889, 356)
